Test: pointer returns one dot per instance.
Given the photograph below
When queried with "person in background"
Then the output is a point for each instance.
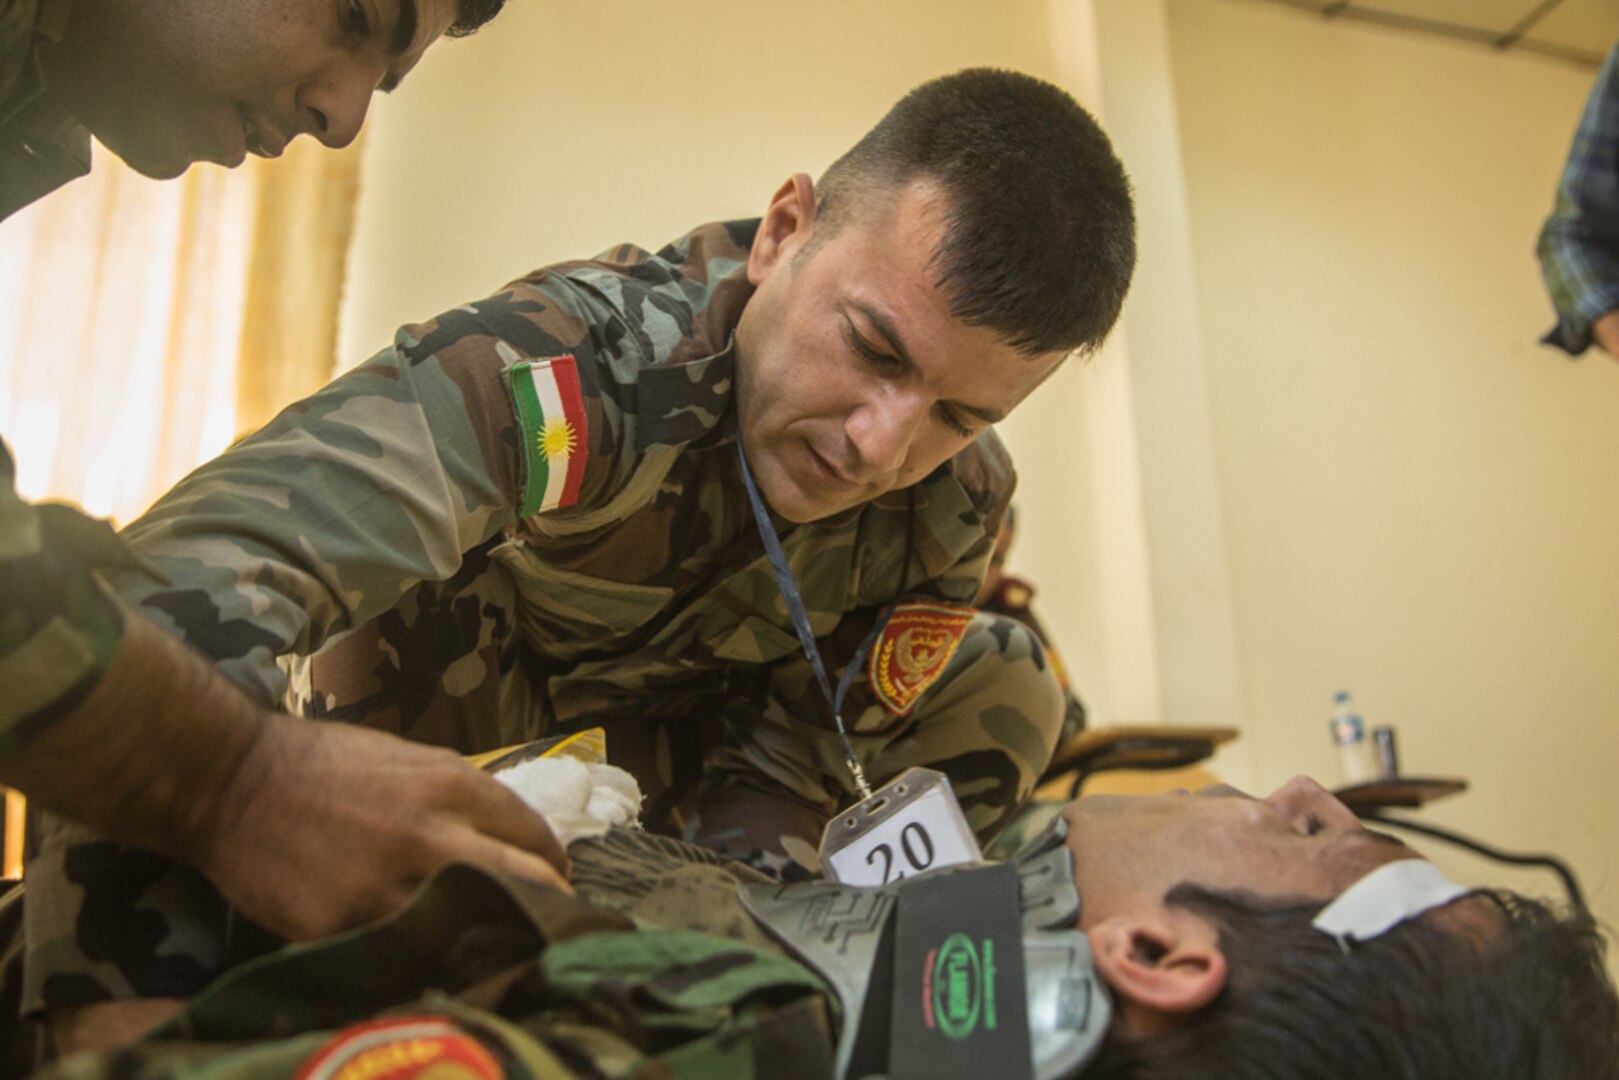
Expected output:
(1579, 244)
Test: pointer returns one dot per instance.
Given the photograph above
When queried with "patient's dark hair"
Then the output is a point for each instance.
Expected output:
(1039, 239)
(1417, 1003)
(472, 14)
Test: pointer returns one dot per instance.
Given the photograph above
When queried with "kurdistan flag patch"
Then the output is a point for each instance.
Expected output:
(551, 416)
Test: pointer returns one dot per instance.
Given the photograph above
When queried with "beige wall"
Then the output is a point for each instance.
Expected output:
(1421, 504)
(566, 128)
(1323, 451)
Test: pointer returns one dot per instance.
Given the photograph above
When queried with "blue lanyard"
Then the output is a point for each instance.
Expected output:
(806, 637)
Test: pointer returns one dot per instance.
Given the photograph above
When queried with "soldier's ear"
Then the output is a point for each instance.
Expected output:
(785, 228)
(1163, 967)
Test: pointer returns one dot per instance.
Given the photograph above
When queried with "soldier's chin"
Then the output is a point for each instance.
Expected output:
(155, 160)
(786, 499)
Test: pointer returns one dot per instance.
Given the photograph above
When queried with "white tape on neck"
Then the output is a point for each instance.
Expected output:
(1385, 898)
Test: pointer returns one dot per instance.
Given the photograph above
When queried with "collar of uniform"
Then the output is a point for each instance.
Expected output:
(948, 521)
(685, 398)
(681, 403)
(949, 508)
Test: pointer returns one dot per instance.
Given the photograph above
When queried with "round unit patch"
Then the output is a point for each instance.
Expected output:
(409, 1048)
(917, 643)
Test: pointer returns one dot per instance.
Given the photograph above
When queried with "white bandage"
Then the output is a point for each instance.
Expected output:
(576, 799)
(1386, 897)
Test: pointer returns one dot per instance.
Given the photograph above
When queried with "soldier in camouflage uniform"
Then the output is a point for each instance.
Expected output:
(527, 515)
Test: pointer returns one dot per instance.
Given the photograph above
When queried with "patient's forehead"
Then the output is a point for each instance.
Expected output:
(1299, 843)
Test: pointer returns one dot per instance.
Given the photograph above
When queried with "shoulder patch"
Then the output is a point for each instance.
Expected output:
(917, 643)
(412, 1048)
(556, 442)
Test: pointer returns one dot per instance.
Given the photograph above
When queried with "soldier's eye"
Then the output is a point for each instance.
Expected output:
(954, 422)
(886, 362)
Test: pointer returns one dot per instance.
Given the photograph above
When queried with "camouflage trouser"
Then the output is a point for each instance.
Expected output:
(501, 975)
(746, 761)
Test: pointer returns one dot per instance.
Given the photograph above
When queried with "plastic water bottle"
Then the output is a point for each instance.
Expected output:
(1356, 756)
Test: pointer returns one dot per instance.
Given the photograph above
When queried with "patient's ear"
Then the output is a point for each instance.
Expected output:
(1162, 967)
(785, 228)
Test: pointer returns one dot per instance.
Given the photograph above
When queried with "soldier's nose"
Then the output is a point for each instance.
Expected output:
(883, 432)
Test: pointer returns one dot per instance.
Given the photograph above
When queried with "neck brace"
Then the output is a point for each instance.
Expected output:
(845, 933)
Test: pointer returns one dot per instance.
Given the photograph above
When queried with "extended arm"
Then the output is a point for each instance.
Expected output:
(309, 828)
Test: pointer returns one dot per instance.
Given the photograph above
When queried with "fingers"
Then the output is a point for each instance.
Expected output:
(500, 814)
(494, 855)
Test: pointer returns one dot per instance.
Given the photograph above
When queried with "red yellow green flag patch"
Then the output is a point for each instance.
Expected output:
(556, 445)
(918, 641)
(410, 1048)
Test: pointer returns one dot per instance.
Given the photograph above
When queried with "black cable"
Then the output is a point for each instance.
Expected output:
(1548, 862)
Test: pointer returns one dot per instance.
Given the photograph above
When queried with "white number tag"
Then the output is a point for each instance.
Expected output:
(911, 824)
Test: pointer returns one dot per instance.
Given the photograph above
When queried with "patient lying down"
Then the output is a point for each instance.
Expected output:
(1214, 935)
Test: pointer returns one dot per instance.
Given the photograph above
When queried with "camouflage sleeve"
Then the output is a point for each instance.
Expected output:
(320, 521)
(383, 479)
(58, 629)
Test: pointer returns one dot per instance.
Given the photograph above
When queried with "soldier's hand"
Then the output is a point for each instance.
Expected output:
(326, 826)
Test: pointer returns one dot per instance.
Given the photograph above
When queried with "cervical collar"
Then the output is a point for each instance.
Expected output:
(848, 935)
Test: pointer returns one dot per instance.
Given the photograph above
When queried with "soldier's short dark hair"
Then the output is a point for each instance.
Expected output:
(472, 14)
(1040, 237)
(1531, 1000)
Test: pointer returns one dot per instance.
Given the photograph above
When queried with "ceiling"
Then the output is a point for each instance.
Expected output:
(1580, 31)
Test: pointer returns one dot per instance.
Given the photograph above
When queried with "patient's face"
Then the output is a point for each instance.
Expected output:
(167, 84)
(1300, 842)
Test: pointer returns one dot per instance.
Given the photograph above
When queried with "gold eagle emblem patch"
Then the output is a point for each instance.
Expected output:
(916, 645)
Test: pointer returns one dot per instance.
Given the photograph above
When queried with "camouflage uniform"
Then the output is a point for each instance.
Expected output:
(41, 147)
(391, 507)
(1014, 598)
(547, 986)
(57, 631)
(58, 628)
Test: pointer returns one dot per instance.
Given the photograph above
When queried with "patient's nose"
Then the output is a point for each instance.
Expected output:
(1309, 807)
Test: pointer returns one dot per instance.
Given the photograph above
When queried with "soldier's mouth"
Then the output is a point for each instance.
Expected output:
(826, 474)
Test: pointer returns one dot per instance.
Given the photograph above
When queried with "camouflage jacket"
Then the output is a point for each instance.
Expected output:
(57, 632)
(646, 592)
(655, 971)
(41, 147)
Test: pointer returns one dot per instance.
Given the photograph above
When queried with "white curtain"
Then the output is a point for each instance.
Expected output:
(144, 325)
